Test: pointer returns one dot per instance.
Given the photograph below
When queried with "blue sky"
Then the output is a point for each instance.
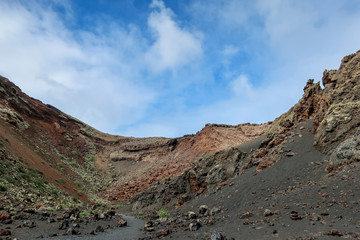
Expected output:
(166, 68)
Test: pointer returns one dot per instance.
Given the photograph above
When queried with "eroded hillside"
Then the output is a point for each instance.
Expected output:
(74, 158)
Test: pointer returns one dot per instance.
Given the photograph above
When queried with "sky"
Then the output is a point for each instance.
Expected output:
(167, 67)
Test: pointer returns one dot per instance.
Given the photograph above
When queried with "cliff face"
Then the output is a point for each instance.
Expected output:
(340, 115)
(334, 109)
(156, 159)
(71, 154)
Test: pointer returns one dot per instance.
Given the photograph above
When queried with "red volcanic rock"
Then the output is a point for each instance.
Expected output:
(4, 216)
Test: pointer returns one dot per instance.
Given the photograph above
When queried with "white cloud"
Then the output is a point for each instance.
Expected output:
(174, 46)
(92, 76)
(230, 50)
(241, 86)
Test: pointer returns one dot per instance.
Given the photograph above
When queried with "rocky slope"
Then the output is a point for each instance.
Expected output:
(68, 156)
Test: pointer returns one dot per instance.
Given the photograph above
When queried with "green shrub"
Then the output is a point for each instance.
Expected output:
(24, 176)
(163, 213)
(40, 182)
(3, 188)
(20, 169)
(8, 164)
(208, 154)
(9, 179)
(84, 214)
(60, 180)
(141, 213)
(33, 172)
(73, 164)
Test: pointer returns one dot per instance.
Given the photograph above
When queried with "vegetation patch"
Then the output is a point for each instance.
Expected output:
(163, 213)
(3, 188)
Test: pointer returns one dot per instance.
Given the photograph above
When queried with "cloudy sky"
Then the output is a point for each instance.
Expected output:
(166, 68)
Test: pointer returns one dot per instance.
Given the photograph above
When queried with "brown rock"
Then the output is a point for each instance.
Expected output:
(290, 154)
(334, 232)
(149, 226)
(111, 212)
(4, 216)
(295, 216)
(246, 215)
(5, 232)
(162, 233)
(268, 212)
(262, 153)
(122, 223)
(191, 215)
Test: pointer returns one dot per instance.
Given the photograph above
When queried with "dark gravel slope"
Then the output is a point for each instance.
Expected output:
(294, 199)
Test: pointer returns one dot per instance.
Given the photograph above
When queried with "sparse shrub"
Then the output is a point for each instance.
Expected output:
(9, 179)
(77, 183)
(73, 164)
(79, 192)
(208, 154)
(3, 188)
(74, 152)
(24, 176)
(20, 169)
(42, 162)
(8, 164)
(54, 192)
(40, 182)
(33, 172)
(69, 149)
(163, 213)
(60, 180)
(141, 213)
(84, 214)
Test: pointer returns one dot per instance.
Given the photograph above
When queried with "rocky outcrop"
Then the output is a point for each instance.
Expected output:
(335, 109)
(340, 104)
(204, 176)
(347, 152)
